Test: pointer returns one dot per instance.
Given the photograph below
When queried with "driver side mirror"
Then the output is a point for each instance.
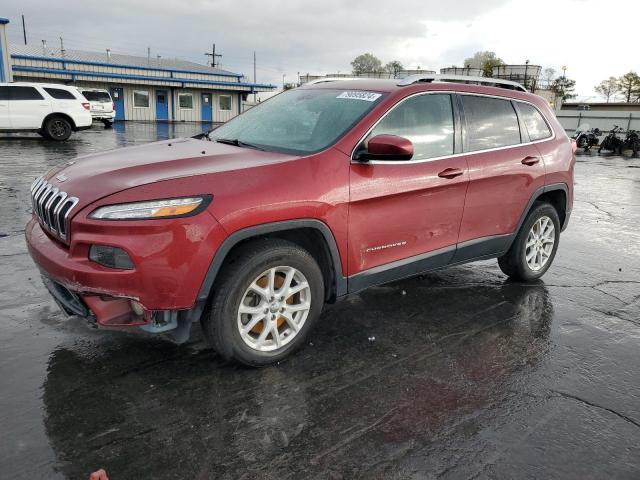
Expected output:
(385, 147)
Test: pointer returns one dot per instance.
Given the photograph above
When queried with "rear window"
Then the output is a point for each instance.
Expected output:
(534, 122)
(491, 122)
(60, 94)
(97, 96)
(24, 93)
(4, 93)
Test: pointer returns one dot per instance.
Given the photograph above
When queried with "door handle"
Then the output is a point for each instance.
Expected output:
(450, 173)
(530, 160)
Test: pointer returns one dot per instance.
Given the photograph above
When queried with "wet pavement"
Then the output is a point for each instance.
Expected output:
(456, 374)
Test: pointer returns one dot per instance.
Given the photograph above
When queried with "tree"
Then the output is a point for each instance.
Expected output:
(608, 88)
(548, 76)
(485, 61)
(394, 67)
(563, 88)
(366, 63)
(629, 86)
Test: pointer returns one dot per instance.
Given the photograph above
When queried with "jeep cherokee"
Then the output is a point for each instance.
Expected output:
(317, 193)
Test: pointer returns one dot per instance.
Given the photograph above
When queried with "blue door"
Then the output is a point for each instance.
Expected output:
(117, 95)
(162, 106)
(207, 113)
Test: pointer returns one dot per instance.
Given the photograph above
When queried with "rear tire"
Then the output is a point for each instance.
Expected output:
(252, 318)
(58, 128)
(535, 245)
(107, 123)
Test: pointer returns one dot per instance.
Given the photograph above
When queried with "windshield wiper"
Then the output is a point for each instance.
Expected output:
(238, 143)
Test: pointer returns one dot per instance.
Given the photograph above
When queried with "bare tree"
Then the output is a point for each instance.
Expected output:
(394, 67)
(608, 88)
(366, 63)
(548, 76)
(484, 60)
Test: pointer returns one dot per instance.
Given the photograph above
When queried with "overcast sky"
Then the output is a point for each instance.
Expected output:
(594, 39)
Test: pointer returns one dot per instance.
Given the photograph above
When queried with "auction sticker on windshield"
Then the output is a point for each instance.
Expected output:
(366, 96)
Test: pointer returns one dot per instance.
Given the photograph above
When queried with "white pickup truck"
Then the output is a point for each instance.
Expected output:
(51, 110)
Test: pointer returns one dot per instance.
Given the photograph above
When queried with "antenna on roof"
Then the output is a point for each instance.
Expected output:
(108, 54)
(62, 50)
(44, 46)
(148, 55)
(213, 56)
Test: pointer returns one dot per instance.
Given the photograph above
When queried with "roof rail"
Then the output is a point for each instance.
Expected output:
(492, 82)
(331, 79)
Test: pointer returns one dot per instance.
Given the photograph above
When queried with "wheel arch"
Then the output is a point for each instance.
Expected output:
(311, 234)
(59, 114)
(557, 194)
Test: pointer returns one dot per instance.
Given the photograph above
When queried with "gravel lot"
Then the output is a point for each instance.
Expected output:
(456, 374)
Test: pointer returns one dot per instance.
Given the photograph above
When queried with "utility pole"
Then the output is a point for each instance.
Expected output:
(148, 55)
(62, 50)
(213, 56)
(24, 30)
(254, 76)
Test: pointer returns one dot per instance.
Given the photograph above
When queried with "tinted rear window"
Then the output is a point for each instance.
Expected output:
(491, 122)
(24, 93)
(97, 96)
(60, 94)
(534, 122)
(4, 93)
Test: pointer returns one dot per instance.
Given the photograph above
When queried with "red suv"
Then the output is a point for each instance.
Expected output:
(318, 193)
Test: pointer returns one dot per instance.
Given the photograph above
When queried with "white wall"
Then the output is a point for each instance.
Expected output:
(604, 120)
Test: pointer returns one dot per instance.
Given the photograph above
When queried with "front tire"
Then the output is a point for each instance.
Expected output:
(58, 128)
(535, 245)
(266, 300)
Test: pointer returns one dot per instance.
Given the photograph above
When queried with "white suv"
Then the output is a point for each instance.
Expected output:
(54, 111)
(102, 106)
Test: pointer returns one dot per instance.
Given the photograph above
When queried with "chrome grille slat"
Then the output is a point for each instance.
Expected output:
(48, 203)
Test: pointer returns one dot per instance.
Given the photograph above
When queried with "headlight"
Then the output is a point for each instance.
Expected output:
(168, 208)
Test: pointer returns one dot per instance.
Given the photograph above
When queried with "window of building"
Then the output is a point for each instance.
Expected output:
(185, 101)
(534, 122)
(24, 93)
(141, 99)
(224, 103)
(491, 122)
(426, 120)
(60, 94)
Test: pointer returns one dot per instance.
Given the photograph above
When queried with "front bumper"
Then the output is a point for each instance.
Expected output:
(169, 265)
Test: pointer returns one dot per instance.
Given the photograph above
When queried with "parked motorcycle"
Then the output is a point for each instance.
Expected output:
(631, 142)
(586, 137)
(612, 142)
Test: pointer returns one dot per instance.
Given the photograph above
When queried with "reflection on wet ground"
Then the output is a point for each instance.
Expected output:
(455, 374)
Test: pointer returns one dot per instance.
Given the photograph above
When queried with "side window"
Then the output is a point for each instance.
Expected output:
(24, 93)
(491, 122)
(4, 93)
(60, 94)
(534, 122)
(426, 120)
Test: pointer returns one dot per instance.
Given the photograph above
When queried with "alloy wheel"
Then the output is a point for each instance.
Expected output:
(274, 308)
(540, 242)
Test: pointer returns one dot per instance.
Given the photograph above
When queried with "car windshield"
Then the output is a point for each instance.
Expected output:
(97, 96)
(300, 121)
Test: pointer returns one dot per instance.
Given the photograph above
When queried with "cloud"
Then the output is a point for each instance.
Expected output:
(322, 37)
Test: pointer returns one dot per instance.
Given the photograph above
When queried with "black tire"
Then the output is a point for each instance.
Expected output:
(582, 142)
(220, 321)
(42, 133)
(513, 263)
(58, 128)
(107, 123)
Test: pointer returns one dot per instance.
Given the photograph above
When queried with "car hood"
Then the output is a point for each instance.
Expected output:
(95, 176)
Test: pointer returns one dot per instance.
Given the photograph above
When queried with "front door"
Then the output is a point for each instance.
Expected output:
(27, 107)
(4, 108)
(206, 106)
(404, 216)
(117, 94)
(162, 106)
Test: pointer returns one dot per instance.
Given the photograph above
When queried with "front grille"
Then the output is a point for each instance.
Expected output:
(52, 207)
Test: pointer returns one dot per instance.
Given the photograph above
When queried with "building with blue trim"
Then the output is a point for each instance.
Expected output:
(5, 65)
(152, 89)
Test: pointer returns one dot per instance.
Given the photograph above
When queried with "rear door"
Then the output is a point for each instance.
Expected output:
(5, 121)
(27, 107)
(505, 169)
(404, 216)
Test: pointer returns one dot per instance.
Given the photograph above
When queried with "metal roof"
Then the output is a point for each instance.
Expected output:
(117, 60)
